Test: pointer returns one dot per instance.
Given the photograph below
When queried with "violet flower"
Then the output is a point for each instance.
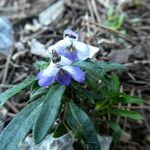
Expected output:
(73, 49)
(61, 72)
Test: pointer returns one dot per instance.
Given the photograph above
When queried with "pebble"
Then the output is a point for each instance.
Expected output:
(6, 35)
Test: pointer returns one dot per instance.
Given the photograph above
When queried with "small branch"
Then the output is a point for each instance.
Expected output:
(126, 37)
(6, 85)
(136, 62)
(93, 3)
(12, 107)
(7, 66)
(134, 107)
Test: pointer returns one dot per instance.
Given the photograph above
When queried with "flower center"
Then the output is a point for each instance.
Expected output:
(61, 72)
(71, 48)
(55, 57)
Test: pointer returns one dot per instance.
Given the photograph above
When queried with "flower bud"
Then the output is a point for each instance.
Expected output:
(55, 57)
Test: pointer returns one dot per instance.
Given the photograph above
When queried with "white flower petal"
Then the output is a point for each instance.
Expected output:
(65, 61)
(61, 45)
(83, 50)
(51, 70)
(93, 50)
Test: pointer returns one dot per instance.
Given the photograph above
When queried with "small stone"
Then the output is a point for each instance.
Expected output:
(6, 35)
(49, 15)
(125, 136)
(32, 27)
(124, 55)
(49, 143)
(3, 113)
(39, 49)
(105, 141)
(147, 137)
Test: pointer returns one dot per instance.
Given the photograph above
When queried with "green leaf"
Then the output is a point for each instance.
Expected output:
(124, 98)
(115, 83)
(107, 94)
(121, 20)
(116, 130)
(127, 113)
(40, 65)
(92, 82)
(15, 89)
(90, 67)
(102, 105)
(89, 95)
(60, 131)
(48, 112)
(18, 128)
(83, 93)
(81, 124)
(110, 10)
(38, 92)
(98, 69)
(108, 66)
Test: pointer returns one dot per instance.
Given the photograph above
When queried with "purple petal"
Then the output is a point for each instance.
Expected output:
(72, 55)
(71, 34)
(39, 76)
(63, 78)
(45, 81)
(75, 72)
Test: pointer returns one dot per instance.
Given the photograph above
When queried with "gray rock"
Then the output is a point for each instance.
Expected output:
(105, 141)
(49, 143)
(39, 49)
(63, 143)
(6, 35)
(49, 15)
(124, 55)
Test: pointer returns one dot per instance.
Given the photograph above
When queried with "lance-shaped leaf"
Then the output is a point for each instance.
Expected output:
(124, 98)
(98, 68)
(60, 131)
(116, 130)
(90, 67)
(38, 93)
(17, 129)
(92, 82)
(48, 112)
(126, 113)
(82, 126)
(83, 93)
(115, 83)
(109, 66)
(15, 89)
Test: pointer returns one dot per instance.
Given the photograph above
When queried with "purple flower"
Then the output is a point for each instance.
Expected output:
(73, 49)
(71, 34)
(64, 53)
(59, 72)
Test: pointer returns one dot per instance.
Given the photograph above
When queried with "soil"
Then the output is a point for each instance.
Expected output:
(87, 18)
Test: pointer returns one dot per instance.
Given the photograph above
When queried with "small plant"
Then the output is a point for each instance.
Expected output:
(114, 21)
(72, 89)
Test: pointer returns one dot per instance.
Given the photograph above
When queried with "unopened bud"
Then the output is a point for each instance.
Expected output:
(55, 57)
